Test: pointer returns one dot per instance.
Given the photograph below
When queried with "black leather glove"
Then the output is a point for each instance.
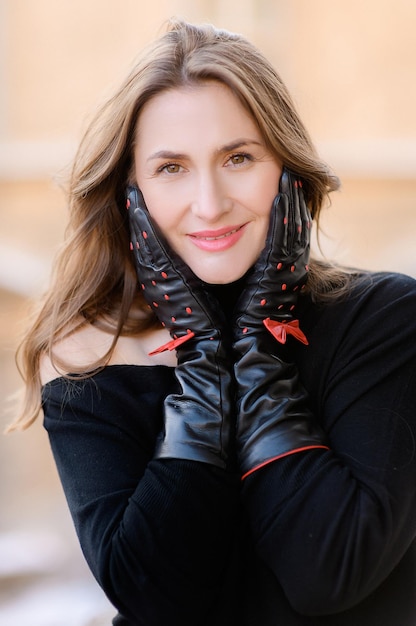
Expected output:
(273, 418)
(197, 421)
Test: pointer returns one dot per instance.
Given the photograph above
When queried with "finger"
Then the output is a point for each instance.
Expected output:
(294, 214)
(149, 242)
(150, 246)
(279, 226)
(138, 225)
(305, 216)
(284, 185)
(284, 234)
(296, 211)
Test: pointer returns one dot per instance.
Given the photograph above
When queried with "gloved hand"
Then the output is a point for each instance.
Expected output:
(197, 421)
(273, 418)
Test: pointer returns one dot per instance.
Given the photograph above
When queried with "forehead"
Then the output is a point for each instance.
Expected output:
(205, 106)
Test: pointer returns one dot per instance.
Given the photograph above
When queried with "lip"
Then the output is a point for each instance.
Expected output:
(217, 240)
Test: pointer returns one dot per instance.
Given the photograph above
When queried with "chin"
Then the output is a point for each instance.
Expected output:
(221, 270)
(220, 278)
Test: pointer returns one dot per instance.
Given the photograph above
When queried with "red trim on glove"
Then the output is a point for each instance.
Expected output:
(281, 456)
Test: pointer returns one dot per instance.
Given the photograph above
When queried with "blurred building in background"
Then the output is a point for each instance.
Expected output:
(351, 68)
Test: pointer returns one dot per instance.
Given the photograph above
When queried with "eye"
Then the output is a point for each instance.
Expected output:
(170, 168)
(239, 158)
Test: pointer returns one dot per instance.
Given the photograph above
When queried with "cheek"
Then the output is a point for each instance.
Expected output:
(161, 209)
(263, 202)
(260, 240)
(263, 191)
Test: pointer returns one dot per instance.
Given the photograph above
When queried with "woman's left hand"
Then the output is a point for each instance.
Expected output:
(273, 285)
(273, 415)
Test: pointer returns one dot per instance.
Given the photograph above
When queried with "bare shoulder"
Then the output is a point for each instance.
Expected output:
(88, 344)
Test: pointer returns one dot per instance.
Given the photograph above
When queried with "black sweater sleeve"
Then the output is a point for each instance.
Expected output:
(332, 525)
(155, 533)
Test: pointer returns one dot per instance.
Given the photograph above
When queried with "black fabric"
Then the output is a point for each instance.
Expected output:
(317, 538)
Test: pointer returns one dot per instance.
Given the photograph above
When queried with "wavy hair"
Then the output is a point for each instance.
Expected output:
(94, 279)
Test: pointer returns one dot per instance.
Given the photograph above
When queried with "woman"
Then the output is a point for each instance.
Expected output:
(235, 438)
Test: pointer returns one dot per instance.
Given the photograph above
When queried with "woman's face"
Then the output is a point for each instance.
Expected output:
(207, 178)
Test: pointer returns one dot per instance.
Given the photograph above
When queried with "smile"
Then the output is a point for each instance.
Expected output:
(211, 235)
(216, 237)
(218, 240)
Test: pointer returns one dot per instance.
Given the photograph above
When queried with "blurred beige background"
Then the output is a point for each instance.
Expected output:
(351, 67)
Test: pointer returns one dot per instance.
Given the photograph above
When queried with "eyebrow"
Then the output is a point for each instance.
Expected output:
(229, 147)
(166, 154)
(239, 143)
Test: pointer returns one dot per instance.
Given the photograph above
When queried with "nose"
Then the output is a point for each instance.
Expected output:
(210, 198)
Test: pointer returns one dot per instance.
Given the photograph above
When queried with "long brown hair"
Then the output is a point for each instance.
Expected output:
(94, 279)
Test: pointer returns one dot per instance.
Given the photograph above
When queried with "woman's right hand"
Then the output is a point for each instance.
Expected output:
(197, 420)
(168, 285)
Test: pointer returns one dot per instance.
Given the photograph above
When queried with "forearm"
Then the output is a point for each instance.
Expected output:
(274, 419)
(159, 551)
(197, 420)
(333, 524)
(154, 532)
(168, 552)
(330, 533)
